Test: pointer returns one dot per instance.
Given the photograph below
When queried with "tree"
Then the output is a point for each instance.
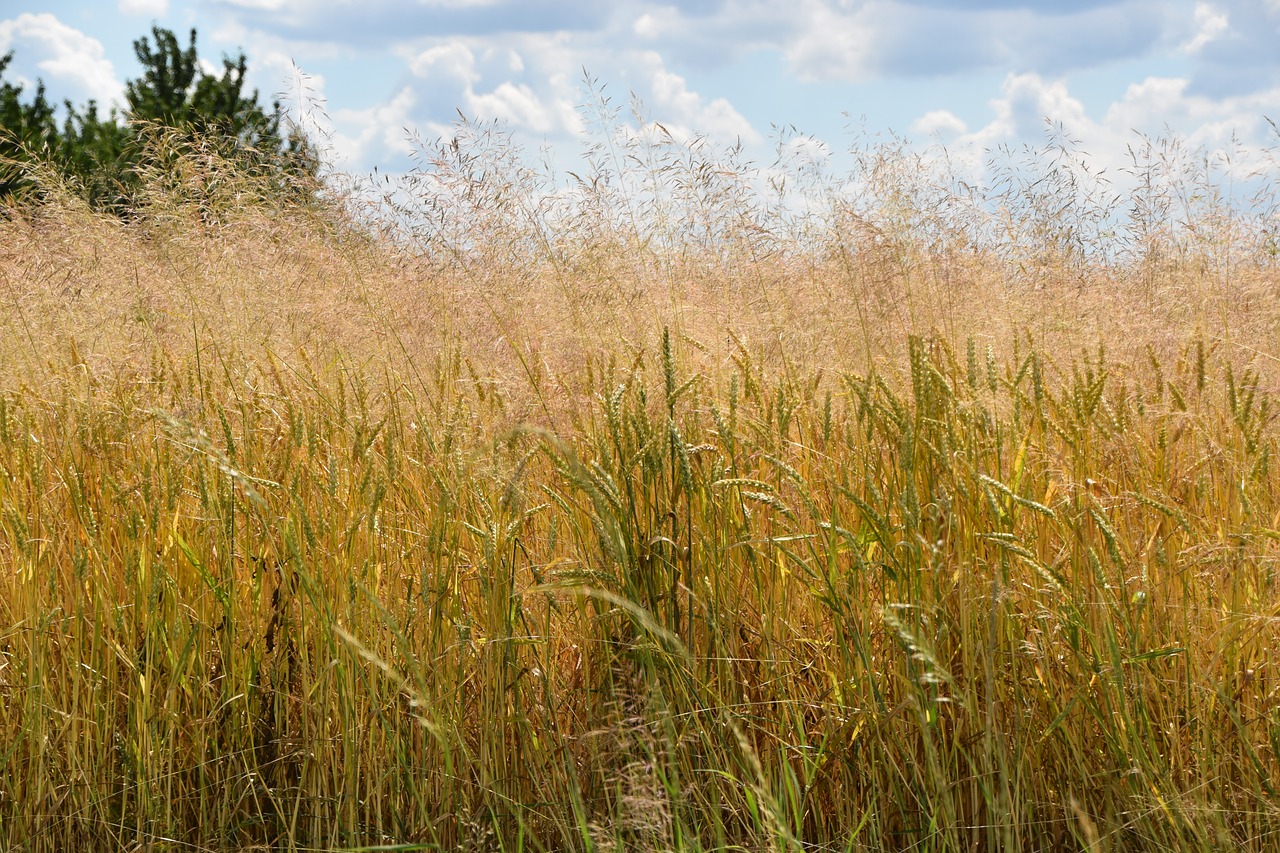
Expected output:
(26, 127)
(106, 155)
(175, 92)
(92, 151)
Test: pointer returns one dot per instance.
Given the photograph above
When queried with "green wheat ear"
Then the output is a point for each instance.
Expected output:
(324, 528)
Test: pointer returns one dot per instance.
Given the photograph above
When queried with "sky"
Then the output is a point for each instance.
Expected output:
(971, 74)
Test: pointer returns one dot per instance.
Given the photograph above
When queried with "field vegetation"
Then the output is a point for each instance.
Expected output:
(674, 504)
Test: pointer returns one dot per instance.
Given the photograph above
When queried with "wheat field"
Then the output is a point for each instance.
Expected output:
(645, 510)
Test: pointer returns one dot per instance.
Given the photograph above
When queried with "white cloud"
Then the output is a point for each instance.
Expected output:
(824, 40)
(804, 152)
(1026, 102)
(506, 59)
(678, 108)
(1154, 101)
(833, 45)
(453, 60)
(264, 5)
(68, 57)
(493, 81)
(151, 8)
(356, 132)
(661, 22)
(1210, 24)
(515, 103)
(531, 82)
(1212, 122)
(942, 123)
(1155, 107)
(646, 26)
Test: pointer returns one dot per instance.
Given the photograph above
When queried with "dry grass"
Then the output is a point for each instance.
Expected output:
(642, 513)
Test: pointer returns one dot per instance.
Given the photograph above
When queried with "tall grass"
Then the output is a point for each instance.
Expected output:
(653, 513)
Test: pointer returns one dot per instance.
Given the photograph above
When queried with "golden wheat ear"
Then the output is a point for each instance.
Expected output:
(653, 512)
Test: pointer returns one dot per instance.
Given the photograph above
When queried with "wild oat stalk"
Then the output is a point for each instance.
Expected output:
(654, 516)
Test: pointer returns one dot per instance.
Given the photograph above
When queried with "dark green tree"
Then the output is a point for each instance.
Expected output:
(92, 151)
(105, 156)
(175, 92)
(24, 127)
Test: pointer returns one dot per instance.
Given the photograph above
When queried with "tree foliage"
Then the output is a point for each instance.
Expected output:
(104, 155)
(27, 126)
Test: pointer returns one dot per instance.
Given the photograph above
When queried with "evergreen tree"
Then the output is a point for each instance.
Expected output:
(92, 151)
(104, 155)
(175, 92)
(23, 127)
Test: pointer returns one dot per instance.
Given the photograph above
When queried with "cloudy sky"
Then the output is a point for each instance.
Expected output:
(974, 74)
